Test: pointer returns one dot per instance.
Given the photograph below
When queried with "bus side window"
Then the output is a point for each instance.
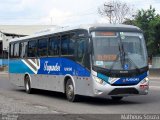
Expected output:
(23, 50)
(32, 48)
(42, 47)
(54, 46)
(81, 50)
(20, 49)
(11, 50)
(67, 45)
(16, 50)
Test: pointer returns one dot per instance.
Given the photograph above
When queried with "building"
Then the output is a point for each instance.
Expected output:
(4, 46)
(8, 32)
(25, 29)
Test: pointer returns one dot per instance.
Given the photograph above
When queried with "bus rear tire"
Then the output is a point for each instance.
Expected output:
(116, 98)
(69, 91)
(27, 85)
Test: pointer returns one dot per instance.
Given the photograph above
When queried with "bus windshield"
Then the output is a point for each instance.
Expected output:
(119, 50)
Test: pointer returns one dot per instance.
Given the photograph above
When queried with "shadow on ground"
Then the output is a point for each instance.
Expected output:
(82, 99)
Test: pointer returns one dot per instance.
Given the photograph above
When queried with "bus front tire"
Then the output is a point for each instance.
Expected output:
(27, 85)
(116, 98)
(69, 90)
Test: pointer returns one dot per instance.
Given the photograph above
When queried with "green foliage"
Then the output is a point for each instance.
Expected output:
(149, 22)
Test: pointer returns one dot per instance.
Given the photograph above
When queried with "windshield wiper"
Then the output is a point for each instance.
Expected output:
(114, 62)
(122, 55)
(131, 61)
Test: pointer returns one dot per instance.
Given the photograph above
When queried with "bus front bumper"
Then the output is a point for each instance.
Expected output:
(105, 90)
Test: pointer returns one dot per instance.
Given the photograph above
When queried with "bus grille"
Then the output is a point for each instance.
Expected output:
(120, 91)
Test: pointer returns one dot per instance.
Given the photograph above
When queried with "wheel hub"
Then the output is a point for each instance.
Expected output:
(70, 91)
(27, 86)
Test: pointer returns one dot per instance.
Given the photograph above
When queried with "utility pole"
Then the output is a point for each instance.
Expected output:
(109, 11)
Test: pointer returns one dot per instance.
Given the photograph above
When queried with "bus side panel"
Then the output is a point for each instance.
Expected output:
(56, 69)
(46, 82)
(17, 69)
(83, 82)
(49, 74)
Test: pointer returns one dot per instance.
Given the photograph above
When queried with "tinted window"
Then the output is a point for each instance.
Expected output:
(54, 46)
(32, 48)
(81, 47)
(67, 45)
(11, 50)
(16, 50)
(5, 54)
(24, 49)
(42, 47)
(20, 48)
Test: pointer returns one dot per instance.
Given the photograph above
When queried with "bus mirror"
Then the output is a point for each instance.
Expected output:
(90, 45)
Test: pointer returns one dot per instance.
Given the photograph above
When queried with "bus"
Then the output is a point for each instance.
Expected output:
(100, 60)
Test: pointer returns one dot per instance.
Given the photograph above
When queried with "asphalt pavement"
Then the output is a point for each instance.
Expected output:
(14, 100)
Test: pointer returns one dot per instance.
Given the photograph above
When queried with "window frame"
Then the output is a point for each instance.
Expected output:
(73, 34)
(20, 51)
(11, 49)
(31, 40)
(59, 39)
(42, 38)
(16, 57)
(70, 36)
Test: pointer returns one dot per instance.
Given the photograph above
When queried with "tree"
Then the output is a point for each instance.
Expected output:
(149, 22)
(155, 24)
(115, 11)
(129, 22)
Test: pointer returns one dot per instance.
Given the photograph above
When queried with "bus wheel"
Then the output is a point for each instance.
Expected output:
(116, 98)
(69, 89)
(27, 84)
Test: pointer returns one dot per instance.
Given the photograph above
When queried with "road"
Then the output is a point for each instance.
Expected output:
(15, 100)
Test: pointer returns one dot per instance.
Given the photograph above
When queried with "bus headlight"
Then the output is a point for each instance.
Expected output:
(98, 80)
(145, 80)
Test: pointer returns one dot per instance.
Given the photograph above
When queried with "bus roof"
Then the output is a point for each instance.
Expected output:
(65, 29)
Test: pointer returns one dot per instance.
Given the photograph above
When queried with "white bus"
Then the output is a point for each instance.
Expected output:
(95, 60)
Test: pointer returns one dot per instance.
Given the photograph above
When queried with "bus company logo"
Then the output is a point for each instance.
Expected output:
(131, 80)
(51, 68)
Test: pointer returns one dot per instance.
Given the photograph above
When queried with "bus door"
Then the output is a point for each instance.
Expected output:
(83, 63)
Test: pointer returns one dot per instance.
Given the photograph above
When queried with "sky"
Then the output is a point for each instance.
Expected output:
(60, 12)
